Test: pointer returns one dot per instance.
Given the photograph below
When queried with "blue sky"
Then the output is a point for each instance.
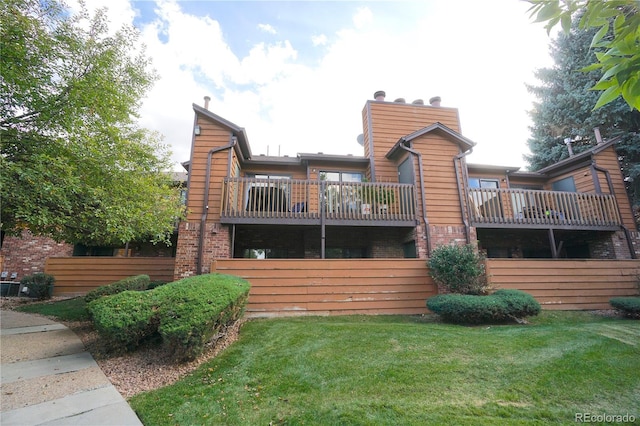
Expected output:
(297, 74)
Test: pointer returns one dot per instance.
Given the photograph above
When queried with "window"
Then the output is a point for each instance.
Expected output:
(486, 203)
(483, 183)
(566, 185)
(268, 193)
(341, 176)
(409, 250)
(265, 253)
(345, 253)
(339, 194)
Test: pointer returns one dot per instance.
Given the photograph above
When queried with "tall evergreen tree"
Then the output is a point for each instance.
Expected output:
(565, 110)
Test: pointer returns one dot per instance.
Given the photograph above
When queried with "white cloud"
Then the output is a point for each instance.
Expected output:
(319, 40)
(363, 17)
(267, 28)
(478, 61)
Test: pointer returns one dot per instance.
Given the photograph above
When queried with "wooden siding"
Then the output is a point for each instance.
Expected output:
(582, 178)
(78, 275)
(390, 121)
(333, 287)
(211, 136)
(567, 284)
(441, 187)
(608, 159)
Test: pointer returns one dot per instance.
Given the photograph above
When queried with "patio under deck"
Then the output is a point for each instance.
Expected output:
(306, 202)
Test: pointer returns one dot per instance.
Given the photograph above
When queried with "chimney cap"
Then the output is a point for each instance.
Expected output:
(379, 94)
(400, 100)
(206, 102)
(418, 102)
(435, 99)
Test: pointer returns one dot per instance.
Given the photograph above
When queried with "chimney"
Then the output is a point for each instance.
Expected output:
(596, 130)
(379, 95)
(206, 102)
(435, 101)
(567, 142)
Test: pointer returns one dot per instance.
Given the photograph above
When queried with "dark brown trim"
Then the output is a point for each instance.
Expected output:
(594, 177)
(205, 202)
(372, 163)
(552, 243)
(427, 231)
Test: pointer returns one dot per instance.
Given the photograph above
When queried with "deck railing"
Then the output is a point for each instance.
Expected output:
(533, 207)
(253, 198)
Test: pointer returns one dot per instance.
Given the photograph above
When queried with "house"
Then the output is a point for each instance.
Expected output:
(411, 191)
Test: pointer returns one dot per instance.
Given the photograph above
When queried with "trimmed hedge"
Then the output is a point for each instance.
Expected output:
(630, 306)
(137, 283)
(124, 319)
(185, 313)
(500, 306)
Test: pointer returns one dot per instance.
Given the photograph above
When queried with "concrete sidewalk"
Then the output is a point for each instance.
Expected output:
(47, 378)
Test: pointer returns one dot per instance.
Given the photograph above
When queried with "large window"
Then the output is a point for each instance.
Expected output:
(339, 194)
(269, 193)
(486, 203)
(342, 177)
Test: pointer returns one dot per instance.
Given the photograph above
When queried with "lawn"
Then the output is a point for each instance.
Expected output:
(64, 310)
(410, 370)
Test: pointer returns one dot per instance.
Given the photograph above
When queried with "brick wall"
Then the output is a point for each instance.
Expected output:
(28, 253)
(447, 235)
(217, 245)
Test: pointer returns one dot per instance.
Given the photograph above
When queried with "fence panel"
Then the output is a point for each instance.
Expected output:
(567, 284)
(333, 287)
(78, 275)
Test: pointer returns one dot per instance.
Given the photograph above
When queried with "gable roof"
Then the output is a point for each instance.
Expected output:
(464, 143)
(578, 158)
(237, 131)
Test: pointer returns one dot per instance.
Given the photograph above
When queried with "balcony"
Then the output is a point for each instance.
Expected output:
(306, 202)
(521, 208)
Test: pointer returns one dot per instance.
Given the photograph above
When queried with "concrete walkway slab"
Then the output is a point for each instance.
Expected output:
(47, 377)
(46, 367)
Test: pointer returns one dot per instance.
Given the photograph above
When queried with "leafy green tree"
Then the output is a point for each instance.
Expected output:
(618, 35)
(75, 165)
(565, 110)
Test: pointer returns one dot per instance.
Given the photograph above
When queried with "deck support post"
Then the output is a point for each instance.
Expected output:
(323, 217)
(552, 242)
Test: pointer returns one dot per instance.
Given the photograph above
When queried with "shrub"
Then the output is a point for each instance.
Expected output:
(185, 313)
(192, 312)
(124, 319)
(137, 282)
(630, 306)
(458, 269)
(40, 286)
(473, 309)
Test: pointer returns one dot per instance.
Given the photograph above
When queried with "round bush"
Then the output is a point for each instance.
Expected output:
(630, 306)
(500, 306)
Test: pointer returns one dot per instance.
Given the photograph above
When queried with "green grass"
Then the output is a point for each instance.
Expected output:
(64, 310)
(408, 370)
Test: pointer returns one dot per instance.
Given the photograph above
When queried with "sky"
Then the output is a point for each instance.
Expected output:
(297, 74)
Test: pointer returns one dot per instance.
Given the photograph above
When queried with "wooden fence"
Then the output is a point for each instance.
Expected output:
(567, 284)
(365, 286)
(333, 287)
(78, 275)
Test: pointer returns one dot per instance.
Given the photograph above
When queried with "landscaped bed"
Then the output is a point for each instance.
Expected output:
(410, 370)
